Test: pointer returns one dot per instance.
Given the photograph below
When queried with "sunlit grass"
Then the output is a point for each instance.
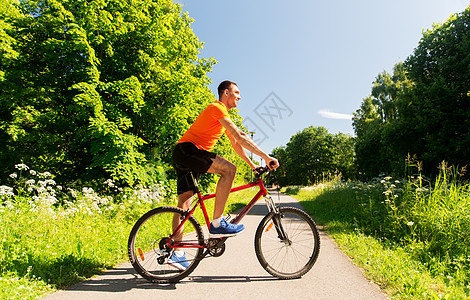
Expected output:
(410, 237)
(52, 237)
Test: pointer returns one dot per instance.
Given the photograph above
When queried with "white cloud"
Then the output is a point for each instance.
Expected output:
(332, 115)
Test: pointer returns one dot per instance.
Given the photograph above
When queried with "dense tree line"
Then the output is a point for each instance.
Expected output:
(98, 88)
(104, 88)
(420, 111)
(423, 108)
(313, 155)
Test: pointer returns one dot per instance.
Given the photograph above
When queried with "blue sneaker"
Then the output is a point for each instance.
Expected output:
(178, 262)
(225, 229)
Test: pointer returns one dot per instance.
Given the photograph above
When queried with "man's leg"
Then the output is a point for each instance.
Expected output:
(227, 172)
(184, 202)
(178, 258)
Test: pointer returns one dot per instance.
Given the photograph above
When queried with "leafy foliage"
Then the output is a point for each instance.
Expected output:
(440, 99)
(422, 109)
(314, 154)
(380, 137)
(100, 88)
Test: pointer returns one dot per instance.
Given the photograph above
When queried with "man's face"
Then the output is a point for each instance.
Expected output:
(233, 94)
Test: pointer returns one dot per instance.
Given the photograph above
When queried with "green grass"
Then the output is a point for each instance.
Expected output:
(49, 244)
(410, 238)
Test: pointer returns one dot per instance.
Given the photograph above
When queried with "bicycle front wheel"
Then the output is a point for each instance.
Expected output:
(150, 248)
(287, 244)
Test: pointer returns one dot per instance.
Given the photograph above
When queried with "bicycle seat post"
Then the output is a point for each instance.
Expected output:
(196, 190)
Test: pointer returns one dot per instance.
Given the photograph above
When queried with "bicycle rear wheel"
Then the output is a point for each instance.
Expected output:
(148, 249)
(287, 244)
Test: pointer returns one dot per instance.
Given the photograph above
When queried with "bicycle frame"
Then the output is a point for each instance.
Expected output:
(261, 193)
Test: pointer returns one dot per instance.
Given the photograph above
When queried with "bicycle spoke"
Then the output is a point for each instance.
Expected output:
(293, 257)
(150, 248)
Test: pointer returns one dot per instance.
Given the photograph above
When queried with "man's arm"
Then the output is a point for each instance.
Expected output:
(244, 141)
(240, 151)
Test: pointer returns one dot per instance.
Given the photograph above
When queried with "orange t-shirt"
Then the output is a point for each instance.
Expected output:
(207, 130)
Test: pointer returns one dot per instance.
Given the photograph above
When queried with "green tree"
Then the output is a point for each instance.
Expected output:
(281, 172)
(378, 125)
(343, 160)
(423, 109)
(313, 154)
(8, 12)
(100, 88)
(439, 103)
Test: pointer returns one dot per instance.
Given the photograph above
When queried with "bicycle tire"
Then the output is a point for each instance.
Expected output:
(295, 257)
(145, 240)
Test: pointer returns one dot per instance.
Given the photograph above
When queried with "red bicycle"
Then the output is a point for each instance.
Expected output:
(287, 242)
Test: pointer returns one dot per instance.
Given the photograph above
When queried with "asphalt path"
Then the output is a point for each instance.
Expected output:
(237, 274)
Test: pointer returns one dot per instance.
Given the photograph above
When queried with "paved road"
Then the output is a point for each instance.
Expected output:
(237, 274)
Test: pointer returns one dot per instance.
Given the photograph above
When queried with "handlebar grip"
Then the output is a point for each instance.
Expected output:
(271, 163)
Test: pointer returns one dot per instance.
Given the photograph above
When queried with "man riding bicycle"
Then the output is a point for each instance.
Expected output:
(192, 154)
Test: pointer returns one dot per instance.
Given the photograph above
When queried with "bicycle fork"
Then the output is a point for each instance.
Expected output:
(276, 220)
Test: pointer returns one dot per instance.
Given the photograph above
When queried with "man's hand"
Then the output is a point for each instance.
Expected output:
(272, 163)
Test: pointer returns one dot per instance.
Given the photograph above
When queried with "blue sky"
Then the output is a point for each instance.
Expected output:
(303, 63)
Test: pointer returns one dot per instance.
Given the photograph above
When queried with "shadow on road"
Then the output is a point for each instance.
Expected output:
(118, 280)
(125, 279)
(230, 279)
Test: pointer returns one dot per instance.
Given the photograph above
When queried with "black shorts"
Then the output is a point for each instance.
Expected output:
(186, 158)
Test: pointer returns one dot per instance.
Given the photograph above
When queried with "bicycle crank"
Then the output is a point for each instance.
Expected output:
(214, 248)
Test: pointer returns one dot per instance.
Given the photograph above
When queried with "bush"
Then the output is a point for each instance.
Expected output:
(429, 221)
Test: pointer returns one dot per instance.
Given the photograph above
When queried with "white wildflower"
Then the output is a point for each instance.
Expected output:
(410, 223)
(8, 204)
(6, 191)
(45, 175)
(41, 189)
(73, 193)
(87, 190)
(50, 182)
(13, 175)
(32, 172)
(22, 167)
(109, 183)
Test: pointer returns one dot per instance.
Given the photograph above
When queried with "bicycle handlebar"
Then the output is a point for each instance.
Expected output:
(261, 170)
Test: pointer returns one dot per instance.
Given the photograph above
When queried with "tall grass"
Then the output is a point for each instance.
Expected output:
(410, 235)
(52, 236)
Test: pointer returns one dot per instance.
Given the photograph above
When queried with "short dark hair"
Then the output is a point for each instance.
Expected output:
(223, 86)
